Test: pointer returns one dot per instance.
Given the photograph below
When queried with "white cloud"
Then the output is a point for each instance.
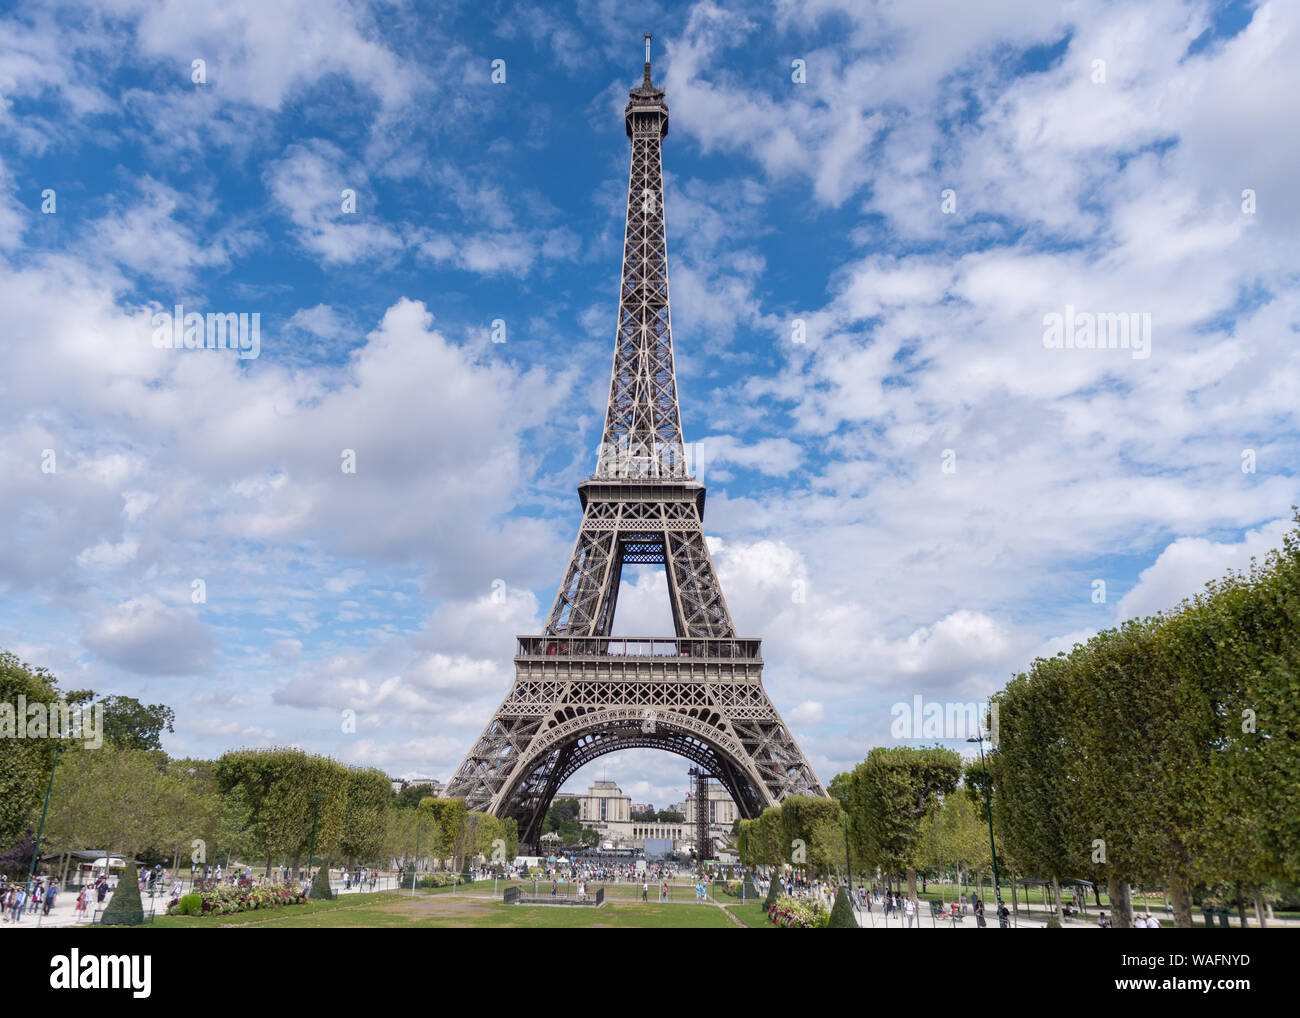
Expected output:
(144, 636)
(1187, 564)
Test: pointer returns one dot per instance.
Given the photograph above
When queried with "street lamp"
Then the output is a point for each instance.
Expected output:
(317, 798)
(848, 866)
(415, 863)
(988, 809)
(36, 849)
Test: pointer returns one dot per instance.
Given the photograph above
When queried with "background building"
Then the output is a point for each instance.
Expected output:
(605, 809)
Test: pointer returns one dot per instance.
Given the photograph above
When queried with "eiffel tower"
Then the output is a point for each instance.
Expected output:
(580, 693)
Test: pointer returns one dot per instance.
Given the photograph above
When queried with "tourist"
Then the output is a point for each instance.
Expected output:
(1102, 922)
(910, 908)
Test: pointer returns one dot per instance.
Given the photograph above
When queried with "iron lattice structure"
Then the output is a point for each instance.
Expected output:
(580, 693)
(703, 837)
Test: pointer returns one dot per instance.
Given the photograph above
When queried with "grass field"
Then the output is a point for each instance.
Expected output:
(753, 916)
(438, 909)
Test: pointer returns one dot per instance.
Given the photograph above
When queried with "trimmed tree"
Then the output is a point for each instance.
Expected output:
(890, 794)
(125, 907)
(320, 885)
(25, 763)
(842, 917)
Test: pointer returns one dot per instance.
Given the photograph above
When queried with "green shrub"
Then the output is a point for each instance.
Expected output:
(124, 908)
(190, 904)
(841, 915)
(320, 886)
(1053, 923)
(431, 880)
(773, 892)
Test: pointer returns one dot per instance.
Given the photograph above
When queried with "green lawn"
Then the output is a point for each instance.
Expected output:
(388, 910)
(623, 892)
(753, 916)
(263, 915)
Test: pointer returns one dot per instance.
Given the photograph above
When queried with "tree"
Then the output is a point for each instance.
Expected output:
(125, 907)
(25, 763)
(770, 844)
(804, 818)
(953, 837)
(110, 798)
(889, 795)
(842, 916)
(1033, 763)
(278, 787)
(365, 815)
(410, 795)
(132, 725)
(444, 827)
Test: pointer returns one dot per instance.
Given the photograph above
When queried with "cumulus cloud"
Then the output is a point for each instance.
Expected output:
(1187, 564)
(145, 636)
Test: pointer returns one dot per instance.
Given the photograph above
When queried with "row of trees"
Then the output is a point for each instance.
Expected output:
(803, 831)
(904, 813)
(1164, 752)
(129, 798)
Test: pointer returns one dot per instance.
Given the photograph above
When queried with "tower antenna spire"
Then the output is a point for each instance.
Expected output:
(646, 83)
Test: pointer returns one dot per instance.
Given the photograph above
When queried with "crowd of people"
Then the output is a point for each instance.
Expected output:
(38, 896)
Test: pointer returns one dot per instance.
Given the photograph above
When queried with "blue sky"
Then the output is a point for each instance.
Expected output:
(1111, 188)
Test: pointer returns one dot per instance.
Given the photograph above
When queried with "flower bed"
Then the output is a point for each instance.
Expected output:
(229, 900)
(795, 914)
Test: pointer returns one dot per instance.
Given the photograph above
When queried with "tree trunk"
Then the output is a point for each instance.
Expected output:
(1121, 903)
(1241, 908)
(268, 866)
(1056, 899)
(1259, 911)
(1182, 901)
(911, 882)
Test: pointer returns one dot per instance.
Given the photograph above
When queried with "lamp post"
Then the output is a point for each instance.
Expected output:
(415, 863)
(36, 849)
(317, 798)
(988, 809)
(848, 865)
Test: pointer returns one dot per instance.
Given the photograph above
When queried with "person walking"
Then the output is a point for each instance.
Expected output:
(645, 890)
(910, 909)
